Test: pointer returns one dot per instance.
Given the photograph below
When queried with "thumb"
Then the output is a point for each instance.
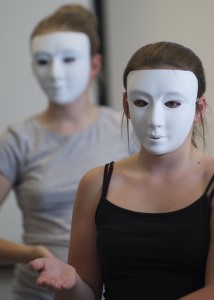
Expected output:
(37, 264)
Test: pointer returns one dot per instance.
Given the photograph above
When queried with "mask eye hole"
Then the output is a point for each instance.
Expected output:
(68, 59)
(140, 103)
(173, 104)
(42, 62)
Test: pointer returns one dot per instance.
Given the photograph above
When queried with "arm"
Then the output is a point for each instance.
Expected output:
(83, 254)
(81, 279)
(206, 293)
(14, 252)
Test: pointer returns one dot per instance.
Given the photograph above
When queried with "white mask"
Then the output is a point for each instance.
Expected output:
(162, 105)
(62, 62)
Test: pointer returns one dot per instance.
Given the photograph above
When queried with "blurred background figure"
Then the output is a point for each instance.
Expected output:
(43, 157)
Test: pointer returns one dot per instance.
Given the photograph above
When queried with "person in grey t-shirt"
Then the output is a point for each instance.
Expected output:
(43, 158)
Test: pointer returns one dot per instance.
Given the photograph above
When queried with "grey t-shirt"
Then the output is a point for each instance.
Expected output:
(45, 169)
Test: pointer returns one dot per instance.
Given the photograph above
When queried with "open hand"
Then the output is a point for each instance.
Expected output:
(54, 274)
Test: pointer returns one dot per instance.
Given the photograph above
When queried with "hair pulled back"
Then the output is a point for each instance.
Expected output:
(71, 18)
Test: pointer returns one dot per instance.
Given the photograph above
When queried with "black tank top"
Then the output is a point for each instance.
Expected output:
(152, 256)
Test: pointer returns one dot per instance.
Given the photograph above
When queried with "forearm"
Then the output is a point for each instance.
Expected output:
(19, 253)
(206, 293)
(81, 291)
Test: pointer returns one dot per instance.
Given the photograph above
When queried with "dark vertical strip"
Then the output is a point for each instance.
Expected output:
(102, 87)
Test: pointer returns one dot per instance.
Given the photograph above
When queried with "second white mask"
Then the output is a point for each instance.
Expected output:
(61, 63)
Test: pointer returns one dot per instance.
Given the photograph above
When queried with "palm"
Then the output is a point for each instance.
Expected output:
(54, 274)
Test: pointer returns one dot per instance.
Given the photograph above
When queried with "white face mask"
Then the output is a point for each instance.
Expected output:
(62, 62)
(162, 105)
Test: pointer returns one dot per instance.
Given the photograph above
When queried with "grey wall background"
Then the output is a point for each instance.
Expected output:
(129, 25)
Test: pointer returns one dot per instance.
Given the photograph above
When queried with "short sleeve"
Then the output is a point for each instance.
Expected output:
(10, 154)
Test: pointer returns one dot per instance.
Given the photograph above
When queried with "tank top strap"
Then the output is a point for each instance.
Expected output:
(106, 178)
(210, 189)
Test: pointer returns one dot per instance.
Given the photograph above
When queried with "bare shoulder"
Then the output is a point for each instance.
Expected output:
(92, 179)
(209, 165)
(209, 173)
(210, 159)
(91, 183)
(90, 187)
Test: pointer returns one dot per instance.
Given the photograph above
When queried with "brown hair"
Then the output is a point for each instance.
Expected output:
(169, 55)
(71, 18)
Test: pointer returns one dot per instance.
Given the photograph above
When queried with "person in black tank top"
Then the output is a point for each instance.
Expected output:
(143, 227)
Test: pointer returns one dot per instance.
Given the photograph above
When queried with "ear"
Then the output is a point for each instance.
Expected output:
(96, 64)
(126, 105)
(201, 106)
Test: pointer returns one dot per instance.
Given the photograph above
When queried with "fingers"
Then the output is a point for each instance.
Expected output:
(37, 264)
(54, 284)
(53, 273)
(48, 283)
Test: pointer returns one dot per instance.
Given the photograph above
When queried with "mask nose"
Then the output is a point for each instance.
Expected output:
(156, 117)
(56, 69)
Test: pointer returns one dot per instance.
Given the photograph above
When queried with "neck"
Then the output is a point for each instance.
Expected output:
(177, 162)
(71, 118)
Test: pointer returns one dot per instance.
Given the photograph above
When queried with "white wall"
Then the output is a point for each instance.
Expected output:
(20, 95)
(132, 24)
